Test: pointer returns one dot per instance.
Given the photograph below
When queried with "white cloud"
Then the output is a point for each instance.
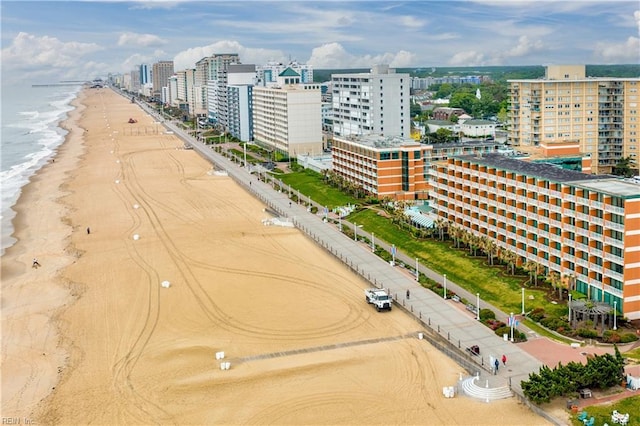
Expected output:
(49, 55)
(188, 58)
(628, 51)
(524, 47)
(467, 59)
(411, 22)
(140, 40)
(334, 55)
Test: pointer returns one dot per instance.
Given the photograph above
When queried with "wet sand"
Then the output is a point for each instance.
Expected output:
(95, 323)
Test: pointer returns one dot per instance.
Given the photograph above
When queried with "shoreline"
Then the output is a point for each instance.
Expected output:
(133, 352)
(44, 237)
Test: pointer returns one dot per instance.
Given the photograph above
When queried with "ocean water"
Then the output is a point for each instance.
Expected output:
(30, 135)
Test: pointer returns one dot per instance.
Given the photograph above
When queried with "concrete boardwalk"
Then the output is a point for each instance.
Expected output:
(451, 330)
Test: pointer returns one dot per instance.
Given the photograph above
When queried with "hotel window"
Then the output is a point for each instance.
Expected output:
(617, 251)
(616, 218)
(617, 202)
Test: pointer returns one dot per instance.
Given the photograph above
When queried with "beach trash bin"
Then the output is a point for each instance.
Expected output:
(505, 337)
(570, 403)
(420, 336)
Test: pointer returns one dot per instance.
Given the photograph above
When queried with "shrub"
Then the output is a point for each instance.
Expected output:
(587, 332)
(553, 323)
(610, 336)
(494, 324)
(537, 314)
(628, 338)
(486, 314)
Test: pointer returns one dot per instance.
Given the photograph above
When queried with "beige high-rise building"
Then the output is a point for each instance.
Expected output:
(601, 113)
(160, 73)
(287, 116)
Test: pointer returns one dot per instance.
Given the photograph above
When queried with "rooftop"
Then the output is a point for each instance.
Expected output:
(377, 141)
(616, 187)
(541, 170)
(288, 72)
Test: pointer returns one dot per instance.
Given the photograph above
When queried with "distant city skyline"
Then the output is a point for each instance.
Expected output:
(52, 41)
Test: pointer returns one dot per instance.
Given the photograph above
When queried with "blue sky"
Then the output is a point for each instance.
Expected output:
(50, 41)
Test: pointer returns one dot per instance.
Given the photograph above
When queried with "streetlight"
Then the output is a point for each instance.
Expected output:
(417, 271)
(355, 232)
(393, 255)
(445, 286)
(511, 323)
(615, 310)
(245, 155)
(523, 300)
(569, 309)
(478, 306)
(373, 242)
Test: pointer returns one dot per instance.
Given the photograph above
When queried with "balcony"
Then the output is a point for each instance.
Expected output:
(614, 242)
(612, 290)
(611, 257)
(613, 225)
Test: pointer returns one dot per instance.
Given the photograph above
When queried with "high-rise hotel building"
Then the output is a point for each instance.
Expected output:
(160, 73)
(287, 116)
(584, 227)
(214, 72)
(600, 113)
(375, 103)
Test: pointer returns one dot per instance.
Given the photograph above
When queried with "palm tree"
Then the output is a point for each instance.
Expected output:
(490, 248)
(533, 268)
(556, 282)
(512, 259)
(440, 224)
(455, 232)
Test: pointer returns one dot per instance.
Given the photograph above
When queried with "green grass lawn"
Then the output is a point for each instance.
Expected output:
(634, 354)
(472, 273)
(602, 413)
(310, 183)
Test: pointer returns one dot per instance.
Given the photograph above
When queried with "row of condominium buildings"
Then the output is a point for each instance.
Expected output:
(553, 201)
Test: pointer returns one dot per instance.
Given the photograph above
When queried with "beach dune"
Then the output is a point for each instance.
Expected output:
(94, 337)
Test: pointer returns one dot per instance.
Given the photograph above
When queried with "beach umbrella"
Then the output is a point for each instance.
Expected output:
(136, 237)
(165, 284)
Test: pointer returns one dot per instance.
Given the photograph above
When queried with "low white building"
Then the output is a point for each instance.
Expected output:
(478, 128)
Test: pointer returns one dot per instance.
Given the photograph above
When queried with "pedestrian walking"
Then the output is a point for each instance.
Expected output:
(88, 230)
(289, 203)
(35, 263)
(504, 360)
(408, 294)
(497, 364)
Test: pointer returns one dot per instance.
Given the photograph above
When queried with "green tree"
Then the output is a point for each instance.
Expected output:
(625, 167)
(416, 110)
(441, 135)
(464, 100)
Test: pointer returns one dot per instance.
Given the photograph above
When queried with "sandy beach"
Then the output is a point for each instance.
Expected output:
(92, 337)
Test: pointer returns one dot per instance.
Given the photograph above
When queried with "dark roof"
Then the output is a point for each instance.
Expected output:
(527, 168)
(288, 72)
